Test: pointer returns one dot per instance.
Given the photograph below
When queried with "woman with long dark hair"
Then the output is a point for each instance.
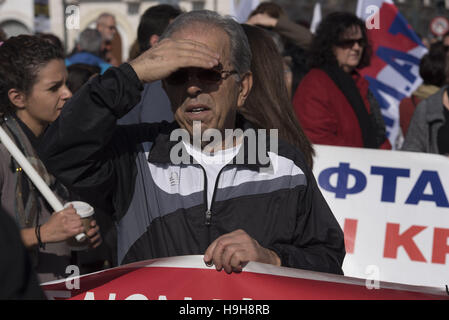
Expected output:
(268, 105)
(333, 102)
(33, 92)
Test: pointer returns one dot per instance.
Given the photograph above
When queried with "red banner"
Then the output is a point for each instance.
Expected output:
(187, 278)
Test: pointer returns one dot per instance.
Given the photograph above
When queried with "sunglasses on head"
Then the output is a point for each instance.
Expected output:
(208, 76)
(349, 43)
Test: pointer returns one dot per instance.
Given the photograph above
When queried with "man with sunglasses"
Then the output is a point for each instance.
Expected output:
(232, 212)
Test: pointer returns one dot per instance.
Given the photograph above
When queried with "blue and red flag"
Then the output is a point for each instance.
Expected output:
(397, 52)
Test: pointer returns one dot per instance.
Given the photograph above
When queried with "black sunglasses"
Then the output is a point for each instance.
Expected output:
(349, 43)
(208, 76)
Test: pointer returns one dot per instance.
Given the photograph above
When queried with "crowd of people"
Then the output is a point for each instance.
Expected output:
(99, 131)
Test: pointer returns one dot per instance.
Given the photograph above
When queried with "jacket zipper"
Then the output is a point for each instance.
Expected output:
(208, 214)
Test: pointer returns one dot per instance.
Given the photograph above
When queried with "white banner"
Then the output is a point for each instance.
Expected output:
(394, 209)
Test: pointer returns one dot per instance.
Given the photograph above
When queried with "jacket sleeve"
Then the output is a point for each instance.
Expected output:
(76, 148)
(417, 136)
(313, 107)
(17, 277)
(318, 243)
(297, 34)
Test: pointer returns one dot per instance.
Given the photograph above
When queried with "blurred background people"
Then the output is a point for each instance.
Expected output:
(432, 71)
(33, 92)
(446, 39)
(295, 40)
(333, 103)
(79, 74)
(154, 105)
(268, 105)
(429, 128)
(106, 25)
(111, 50)
(271, 15)
(89, 51)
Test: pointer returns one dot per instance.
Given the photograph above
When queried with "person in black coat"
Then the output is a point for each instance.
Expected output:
(17, 277)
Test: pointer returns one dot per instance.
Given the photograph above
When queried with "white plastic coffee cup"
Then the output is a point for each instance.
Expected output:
(85, 211)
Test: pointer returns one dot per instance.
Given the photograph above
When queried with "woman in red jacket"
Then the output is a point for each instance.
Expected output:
(333, 102)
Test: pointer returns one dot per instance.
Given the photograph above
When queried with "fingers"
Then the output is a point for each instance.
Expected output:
(231, 252)
(193, 54)
(93, 231)
(70, 206)
(170, 55)
(217, 256)
(71, 221)
(69, 215)
(94, 235)
(232, 257)
(262, 19)
(95, 241)
(191, 46)
(234, 250)
(67, 211)
(196, 61)
(62, 225)
(209, 253)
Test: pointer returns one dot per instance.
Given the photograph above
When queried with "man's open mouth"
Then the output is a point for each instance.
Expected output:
(197, 109)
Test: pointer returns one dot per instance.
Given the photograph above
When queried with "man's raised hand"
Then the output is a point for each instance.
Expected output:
(169, 55)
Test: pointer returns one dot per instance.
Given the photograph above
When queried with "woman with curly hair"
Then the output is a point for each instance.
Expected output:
(333, 102)
(33, 92)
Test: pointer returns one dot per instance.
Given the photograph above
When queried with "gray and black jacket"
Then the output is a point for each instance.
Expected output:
(428, 118)
(160, 208)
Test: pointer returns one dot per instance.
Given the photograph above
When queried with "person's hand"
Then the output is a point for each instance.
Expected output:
(234, 250)
(94, 235)
(170, 55)
(61, 226)
(262, 19)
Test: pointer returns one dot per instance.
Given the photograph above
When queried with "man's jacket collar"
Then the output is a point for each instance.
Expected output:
(162, 147)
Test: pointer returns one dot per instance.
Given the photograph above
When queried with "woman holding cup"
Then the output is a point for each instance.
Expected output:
(32, 93)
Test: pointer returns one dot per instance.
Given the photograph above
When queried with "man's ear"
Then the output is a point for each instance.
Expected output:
(153, 40)
(245, 88)
(17, 98)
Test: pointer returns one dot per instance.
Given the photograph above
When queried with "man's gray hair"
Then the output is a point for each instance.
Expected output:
(90, 41)
(240, 49)
(104, 15)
